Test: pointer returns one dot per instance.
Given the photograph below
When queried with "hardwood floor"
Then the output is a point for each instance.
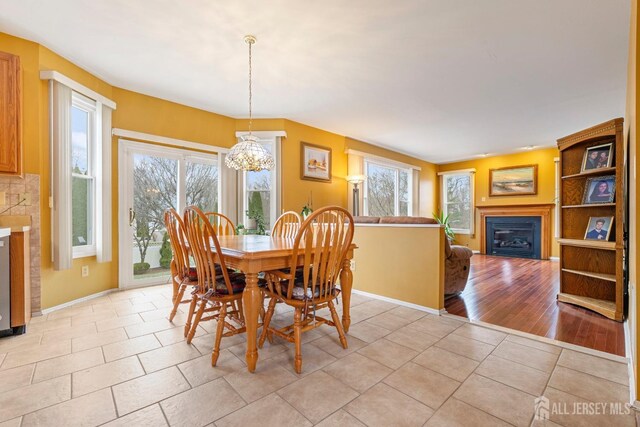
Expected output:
(521, 294)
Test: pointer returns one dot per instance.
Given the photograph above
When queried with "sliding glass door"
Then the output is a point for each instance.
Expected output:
(155, 178)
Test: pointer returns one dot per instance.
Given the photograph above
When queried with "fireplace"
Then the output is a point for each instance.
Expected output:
(540, 211)
(513, 236)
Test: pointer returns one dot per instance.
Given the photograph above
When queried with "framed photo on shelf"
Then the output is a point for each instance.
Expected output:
(599, 190)
(513, 181)
(598, 157)
(599, 228)
(315, 162)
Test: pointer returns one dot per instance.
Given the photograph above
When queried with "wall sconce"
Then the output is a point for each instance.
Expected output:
(356, 180)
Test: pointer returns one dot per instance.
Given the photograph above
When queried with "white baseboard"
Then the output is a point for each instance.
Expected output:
(76, 301)
(399, 302)
(632, 378)
(475, 251)
(554, 258)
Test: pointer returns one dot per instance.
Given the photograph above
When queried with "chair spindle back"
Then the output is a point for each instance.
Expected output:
(178, 241)
(287, 225)
(221, 224)
(202, 236)
(323, 240)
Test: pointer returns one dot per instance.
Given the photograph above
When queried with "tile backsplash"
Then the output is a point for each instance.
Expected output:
(13, 187)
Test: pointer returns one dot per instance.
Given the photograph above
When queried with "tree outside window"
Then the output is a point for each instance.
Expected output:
(387, 190)
(457, 201)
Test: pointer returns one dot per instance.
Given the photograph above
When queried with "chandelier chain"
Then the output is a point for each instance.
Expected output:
(250, 92)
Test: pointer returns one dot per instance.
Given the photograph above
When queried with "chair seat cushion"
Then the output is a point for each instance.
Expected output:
(237, 280)
(193, 273)
(298, 291)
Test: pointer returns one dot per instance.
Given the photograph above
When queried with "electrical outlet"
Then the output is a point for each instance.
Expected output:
(484, 199)
(25, 199)
(85, 271)
(3, 200)
(353, 265)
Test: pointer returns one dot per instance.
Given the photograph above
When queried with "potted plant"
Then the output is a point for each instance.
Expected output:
(306, 211)
(444, 220)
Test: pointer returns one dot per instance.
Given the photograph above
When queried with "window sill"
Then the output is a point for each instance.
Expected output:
(84, 252)
(468, 232)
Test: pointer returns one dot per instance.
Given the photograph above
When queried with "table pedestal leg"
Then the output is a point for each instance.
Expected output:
(346, 280)
(252, 301)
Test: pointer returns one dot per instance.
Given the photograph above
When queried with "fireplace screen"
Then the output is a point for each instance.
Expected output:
(513, 236)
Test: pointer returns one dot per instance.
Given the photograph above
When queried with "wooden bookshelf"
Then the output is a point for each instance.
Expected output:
(587, 206)
(591, 274)
(594, 172)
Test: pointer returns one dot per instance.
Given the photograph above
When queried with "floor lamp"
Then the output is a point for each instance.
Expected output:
(356, 180)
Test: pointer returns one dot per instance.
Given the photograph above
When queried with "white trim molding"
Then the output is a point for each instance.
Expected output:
(263, 134)
(402, 303)
(76, 301)
(164, 140)
(457, 172)
(384, 160)
(74, 85)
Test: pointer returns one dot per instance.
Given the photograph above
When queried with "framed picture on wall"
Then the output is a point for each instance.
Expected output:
(513, 181)
(599, 228)
(599, 189)
(598, 157)
(315, 162)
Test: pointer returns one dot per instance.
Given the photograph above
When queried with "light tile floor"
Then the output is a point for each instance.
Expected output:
(116, 360)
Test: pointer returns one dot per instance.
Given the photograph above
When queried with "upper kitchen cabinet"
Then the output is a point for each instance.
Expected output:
(10, 115)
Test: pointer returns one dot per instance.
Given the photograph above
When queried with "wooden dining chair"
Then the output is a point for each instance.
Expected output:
(221, 224)
(287, 225)
(217, 296)
(182, 274)
(322, 242)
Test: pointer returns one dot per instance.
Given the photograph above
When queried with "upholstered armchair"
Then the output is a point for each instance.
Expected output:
(456, 270)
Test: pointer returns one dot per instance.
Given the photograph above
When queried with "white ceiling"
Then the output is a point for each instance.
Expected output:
(441, 80)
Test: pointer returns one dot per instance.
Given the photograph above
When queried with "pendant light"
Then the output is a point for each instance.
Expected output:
(249, 154)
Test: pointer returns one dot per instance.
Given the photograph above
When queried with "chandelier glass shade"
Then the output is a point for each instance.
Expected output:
(249, 154)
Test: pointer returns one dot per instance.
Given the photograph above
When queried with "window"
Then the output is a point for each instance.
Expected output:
(83, 177)
(259, 196)
(387, 190)
(80, 165)
(457, 200)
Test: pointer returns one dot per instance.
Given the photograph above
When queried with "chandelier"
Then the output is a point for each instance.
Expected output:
(249, 154)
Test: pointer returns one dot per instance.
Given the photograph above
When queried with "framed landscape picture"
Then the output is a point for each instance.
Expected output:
(599, 190)
(599, 228)
(315, 162)
(598, 157)
(513, 181)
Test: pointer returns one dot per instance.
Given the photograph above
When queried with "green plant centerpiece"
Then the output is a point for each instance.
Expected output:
(444, 220)
(306, 211)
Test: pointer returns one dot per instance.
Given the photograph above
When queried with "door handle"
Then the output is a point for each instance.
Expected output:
(132, 216)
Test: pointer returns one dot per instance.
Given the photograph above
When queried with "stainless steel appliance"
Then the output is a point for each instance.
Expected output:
(5, 283)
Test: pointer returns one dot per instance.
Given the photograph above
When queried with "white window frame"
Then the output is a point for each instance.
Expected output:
(89, 106)
(472, 196)
(127, 149)
(275, 187)
(396, 198)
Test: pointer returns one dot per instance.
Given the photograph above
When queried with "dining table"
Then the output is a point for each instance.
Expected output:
(253, 254)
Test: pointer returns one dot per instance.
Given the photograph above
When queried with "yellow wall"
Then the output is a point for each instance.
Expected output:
(137, 112)
(401, 262)
(295, 191)
(546, 186)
